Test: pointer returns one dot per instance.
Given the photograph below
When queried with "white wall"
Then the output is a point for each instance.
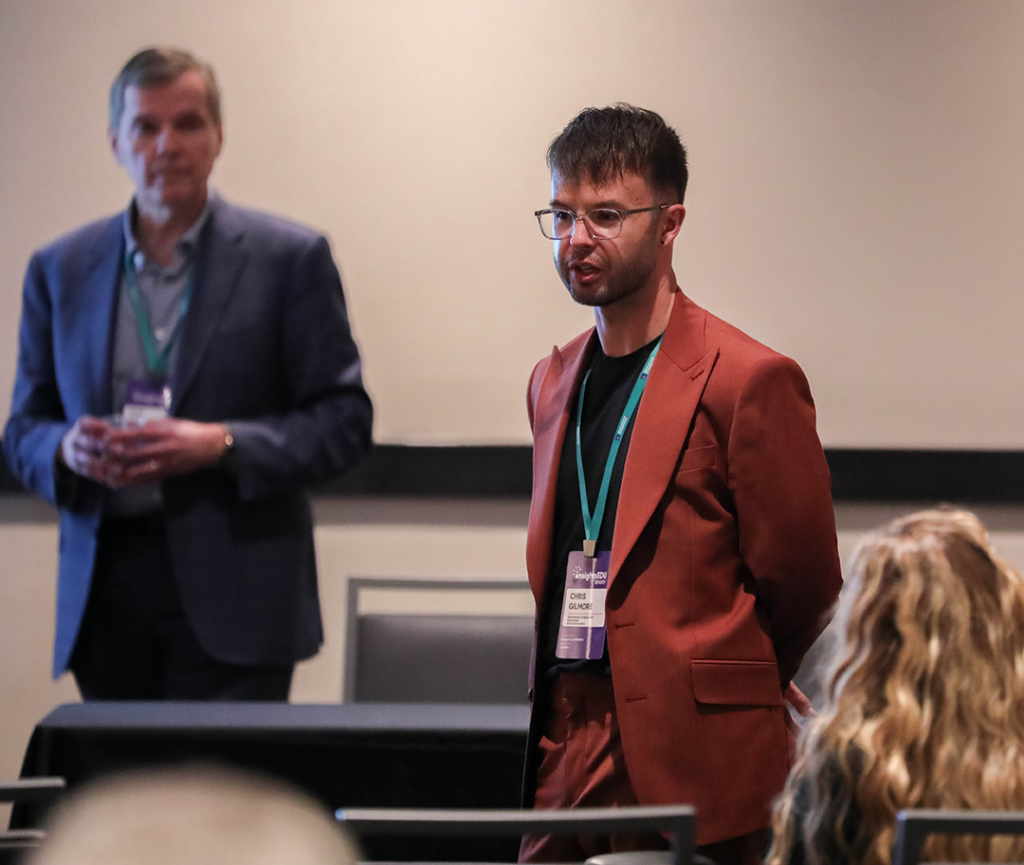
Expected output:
(857, 196)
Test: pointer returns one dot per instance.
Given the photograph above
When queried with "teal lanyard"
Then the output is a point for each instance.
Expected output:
(592, 524)
(156, 360)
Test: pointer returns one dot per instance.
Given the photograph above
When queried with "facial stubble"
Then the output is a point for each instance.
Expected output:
(630, 277)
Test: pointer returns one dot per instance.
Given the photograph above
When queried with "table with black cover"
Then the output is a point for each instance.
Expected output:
(346, 755)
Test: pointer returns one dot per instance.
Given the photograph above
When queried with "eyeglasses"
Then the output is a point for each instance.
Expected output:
(602, 223)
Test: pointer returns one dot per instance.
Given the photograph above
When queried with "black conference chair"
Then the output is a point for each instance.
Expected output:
(35, 791)
(434, 657)
(914, 826)
(679, 820)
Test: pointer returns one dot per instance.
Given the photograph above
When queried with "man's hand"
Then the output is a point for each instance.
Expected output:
(83, 448)
(162, 449)
(802, 706)
(798, 700)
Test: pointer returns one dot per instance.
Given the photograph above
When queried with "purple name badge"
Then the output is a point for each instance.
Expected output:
(581, 633)
(144, 401)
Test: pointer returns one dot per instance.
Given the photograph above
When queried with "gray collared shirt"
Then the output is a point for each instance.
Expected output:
(161, 289)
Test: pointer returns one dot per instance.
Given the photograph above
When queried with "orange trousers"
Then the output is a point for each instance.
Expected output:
(581, 765)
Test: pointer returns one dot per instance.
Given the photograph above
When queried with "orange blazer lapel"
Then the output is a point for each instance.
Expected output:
(663, 422)
(559, 385)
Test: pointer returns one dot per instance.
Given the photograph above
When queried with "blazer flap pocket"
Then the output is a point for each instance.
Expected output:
(698, 458)
(736, 683)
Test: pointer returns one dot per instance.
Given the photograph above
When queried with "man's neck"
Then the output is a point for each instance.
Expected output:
(158, 229)
(632, 322)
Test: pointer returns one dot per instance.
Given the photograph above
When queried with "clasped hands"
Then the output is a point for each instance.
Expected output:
(125, 456)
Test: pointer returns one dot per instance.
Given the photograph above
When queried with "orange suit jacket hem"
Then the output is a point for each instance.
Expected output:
(724, 567)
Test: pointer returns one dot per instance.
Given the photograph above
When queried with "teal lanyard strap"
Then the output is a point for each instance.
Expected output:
(156, 361)
(592, 524)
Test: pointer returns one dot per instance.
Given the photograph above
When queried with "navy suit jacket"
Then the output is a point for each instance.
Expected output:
(265, 347)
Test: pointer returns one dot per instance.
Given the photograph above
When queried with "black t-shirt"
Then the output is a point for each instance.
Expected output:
(608, 388)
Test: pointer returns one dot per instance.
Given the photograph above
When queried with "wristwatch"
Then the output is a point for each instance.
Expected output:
(229, 456)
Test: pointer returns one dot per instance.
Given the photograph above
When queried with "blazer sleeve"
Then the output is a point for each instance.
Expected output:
(327, 427)
(533, 388)
(782, 492)
(37, 421)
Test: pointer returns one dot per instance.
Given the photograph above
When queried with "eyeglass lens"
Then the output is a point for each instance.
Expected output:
(558, 224)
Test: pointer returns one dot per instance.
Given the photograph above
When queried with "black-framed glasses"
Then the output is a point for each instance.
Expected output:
(603, 223)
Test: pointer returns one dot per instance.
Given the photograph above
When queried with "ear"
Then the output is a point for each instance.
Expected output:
(220, 141)
(671, 222)
(112, 139)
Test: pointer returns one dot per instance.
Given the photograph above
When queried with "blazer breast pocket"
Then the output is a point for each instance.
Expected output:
(248, 324)
(698, 458)
(245, 339)
(736, 683)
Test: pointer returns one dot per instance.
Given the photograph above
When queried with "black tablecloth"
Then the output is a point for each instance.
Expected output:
(346, 755)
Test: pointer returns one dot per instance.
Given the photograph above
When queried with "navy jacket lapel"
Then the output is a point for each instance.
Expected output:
(218, 267)
(88, 322)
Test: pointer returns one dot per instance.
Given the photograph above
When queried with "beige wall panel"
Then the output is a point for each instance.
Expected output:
(857, 196)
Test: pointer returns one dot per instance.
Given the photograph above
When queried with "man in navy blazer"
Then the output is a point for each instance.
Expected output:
(185, 371)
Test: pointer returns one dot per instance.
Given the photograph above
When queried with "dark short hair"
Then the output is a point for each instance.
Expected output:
(601, 143)
(153, 67)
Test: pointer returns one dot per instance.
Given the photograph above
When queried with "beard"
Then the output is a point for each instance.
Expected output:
(618, 280)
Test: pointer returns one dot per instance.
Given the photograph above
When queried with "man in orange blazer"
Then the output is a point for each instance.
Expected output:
(682, 544)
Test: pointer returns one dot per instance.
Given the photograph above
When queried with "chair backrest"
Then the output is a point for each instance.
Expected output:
(437, 641)
(679, 820)
(914, 826)
(13, 842)
(32, 789)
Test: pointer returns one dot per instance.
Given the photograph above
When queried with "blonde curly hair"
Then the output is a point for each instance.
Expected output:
(925, 701)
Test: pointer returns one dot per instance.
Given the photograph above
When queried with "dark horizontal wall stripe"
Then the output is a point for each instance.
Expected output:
(457, 470)
(857, 474)
(982, 477)
(501, 471)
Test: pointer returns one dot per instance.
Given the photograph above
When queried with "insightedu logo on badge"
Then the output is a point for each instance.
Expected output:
(581, 632)
(144, 402)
